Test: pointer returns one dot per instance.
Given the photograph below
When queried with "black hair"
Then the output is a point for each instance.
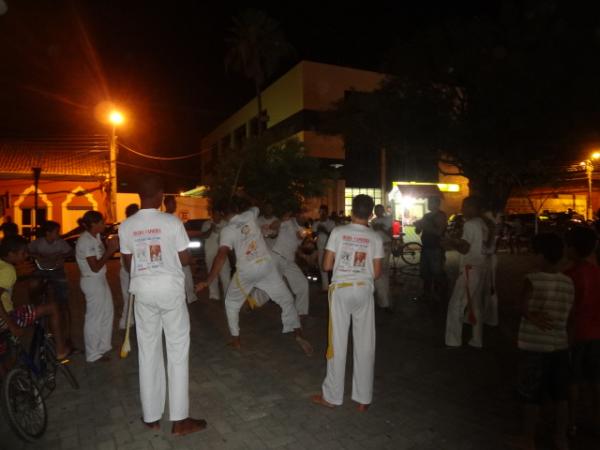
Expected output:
(323, 208)
(583, 240)
(12, 244)
(89, 219)
(550, 246)
(48, 227)
(149, 186)
(238, 204)
(474, 201)
(362, 206)
(169, 199)
(131, 209)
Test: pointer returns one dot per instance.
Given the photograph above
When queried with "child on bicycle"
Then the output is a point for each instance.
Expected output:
(13, 251)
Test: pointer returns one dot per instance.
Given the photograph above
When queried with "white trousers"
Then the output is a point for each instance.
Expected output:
(297, 281)
(263, 276)
(124, 278)
(490, 295)
(224, 275)
(469, 285)
(324, 274)
(154, 316)
(382, 284)
(99, 315)
(350, 302)
(190, 289)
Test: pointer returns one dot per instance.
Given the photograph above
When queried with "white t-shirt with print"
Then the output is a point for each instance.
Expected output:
(269, 235)
(88, 245)
(212, 242)
(243, 235)
(329, 225)
(475, 232)
(287, 241)
(154, 239)
(355, 247)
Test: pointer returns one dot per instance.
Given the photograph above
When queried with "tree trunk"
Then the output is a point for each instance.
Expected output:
(260, 107)
(494, 196)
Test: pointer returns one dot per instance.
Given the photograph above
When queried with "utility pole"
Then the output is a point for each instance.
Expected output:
(383, 175)
(113, 175)
(37, 171)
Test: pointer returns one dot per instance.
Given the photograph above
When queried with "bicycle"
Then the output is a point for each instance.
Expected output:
(409, 252)
(32, 379)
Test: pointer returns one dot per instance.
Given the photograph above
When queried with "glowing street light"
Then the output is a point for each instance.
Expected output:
(116, 118)
(589, 169)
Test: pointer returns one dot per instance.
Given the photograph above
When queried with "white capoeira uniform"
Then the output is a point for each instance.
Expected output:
(154, 240)
(469, 287)
(382, 284)
(99, 308)
(190, 289)
(322, 237)
(351, 301)
(284, 253)
(124, 279)
(255, 269)
(211, 248)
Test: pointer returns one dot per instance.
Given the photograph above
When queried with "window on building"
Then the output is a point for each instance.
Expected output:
(239, 137)
(350, 193)
(226, 143)
(28, 216)
(254, 127)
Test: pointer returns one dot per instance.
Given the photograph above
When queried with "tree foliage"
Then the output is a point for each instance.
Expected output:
(280, 174)
(501, 98)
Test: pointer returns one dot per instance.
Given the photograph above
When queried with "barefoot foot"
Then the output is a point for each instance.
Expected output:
(305, 346)
(318, 399)
(235, 343)
(188, 426)
(151, 425)
(362, 408)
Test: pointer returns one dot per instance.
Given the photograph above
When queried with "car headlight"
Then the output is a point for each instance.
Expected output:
(194, 244)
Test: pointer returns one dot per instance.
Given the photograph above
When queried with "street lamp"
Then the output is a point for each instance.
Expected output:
(116, 118)
(589, 170)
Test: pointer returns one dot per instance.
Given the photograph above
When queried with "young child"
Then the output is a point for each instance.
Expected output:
(546, 302)
(355, 253)
(92, 256)
(585, 319)
(50, 251)
(13, 251)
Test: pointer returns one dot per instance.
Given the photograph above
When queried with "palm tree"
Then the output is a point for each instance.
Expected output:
(257, 46)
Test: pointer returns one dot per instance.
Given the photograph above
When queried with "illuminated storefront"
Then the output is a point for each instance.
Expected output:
(408, 200)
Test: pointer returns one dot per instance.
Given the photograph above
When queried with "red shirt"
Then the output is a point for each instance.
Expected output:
(586, 309)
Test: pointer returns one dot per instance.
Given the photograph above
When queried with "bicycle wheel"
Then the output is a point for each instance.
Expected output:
(56, 366)
(411, 253)
(24, 405)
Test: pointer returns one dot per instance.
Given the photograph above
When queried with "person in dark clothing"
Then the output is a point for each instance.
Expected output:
(433, 257)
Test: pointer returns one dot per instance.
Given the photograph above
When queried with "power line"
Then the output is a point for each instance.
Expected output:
(163, 158)
(164, 172)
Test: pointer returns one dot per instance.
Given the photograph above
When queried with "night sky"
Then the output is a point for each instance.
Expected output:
(163, 61)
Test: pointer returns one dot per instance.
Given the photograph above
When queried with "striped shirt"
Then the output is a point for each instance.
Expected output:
(553, 294)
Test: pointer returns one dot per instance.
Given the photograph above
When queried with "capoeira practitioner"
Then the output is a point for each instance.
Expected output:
(92, 256)
(211, 229)
(322, 228)
(289, 238)
(155, 247)
(124, 276)
(190, 293)
(355, 253)
(382, 224)
(467, 298)
(255, 268)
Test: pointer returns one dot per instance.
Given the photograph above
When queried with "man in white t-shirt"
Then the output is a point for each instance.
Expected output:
(467, 297)
(254, 269)
(322, 228)
(355, 254)
(382, 224)
(211, 230)
(170, 204)
(155, 247)
(289, 238)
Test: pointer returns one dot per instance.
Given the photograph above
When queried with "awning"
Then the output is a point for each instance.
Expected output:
(419, 190)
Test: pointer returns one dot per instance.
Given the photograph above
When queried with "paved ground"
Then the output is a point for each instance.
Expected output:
(426, 397)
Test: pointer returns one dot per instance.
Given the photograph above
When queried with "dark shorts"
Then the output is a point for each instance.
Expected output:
(24, 316)
(543, 376)
(585, 362)
(433, 262)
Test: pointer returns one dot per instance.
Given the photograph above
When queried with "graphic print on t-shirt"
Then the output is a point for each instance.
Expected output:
(148, 252)
(353, 254)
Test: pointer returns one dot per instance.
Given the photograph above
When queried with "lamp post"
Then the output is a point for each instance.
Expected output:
(589, 170)
(116, 119)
